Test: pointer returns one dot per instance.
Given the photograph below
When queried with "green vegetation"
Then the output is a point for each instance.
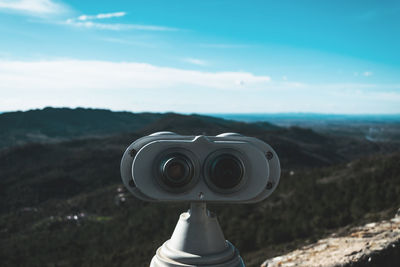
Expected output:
(60, 124)
(307, 205)
(63, 204)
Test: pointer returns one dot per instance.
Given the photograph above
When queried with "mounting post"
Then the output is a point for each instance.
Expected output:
(197, 241)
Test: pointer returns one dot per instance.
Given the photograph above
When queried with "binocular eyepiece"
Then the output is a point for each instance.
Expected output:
(223, 173)
(224, 168)
(176, 171)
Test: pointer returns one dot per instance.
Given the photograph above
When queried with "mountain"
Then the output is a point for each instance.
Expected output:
(61, 124)
(374, 127)
(297, 147)
(63, 203)
(45, 170)
(58, 124)
(200, 124)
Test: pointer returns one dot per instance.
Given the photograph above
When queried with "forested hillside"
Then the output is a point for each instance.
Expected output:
(63, 203)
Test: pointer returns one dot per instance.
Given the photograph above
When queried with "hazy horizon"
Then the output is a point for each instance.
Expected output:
(227, 114)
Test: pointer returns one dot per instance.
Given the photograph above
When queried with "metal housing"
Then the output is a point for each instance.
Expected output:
(261, 164)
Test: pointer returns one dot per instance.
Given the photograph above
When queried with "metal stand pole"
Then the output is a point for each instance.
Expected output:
(197, 241)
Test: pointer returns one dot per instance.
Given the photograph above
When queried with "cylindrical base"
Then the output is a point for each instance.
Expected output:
(166, 257)
(197, 241)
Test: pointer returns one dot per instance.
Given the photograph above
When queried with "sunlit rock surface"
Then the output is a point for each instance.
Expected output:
(374, 244)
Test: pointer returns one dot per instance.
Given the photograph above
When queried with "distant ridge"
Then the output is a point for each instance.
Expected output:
(61, 124)
(274, 117)
(372, 127)
(298, 146)
(200, 124)
(55, 124)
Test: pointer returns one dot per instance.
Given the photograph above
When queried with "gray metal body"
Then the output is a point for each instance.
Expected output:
(198, 239)
(260, 179)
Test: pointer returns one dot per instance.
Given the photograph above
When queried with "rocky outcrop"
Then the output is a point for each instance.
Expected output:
(374, 244)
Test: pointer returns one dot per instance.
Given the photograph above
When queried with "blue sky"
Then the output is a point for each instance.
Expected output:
(201, 56)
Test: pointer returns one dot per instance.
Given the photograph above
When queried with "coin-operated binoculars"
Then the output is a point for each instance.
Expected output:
(227, 168)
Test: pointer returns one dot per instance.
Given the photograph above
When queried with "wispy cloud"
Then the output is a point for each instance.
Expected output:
(33, 7)
(141, 86)
(195, 61)
(116, 26)
(87, 21)
(64, 74)
(116, 85)
(102, 16)
(224, 46)
(367, 73)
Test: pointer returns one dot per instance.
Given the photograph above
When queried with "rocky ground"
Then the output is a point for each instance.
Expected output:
(374, 244)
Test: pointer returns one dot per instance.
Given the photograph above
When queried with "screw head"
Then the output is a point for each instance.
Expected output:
(132, 153)
(269, 185)
(269, 155)
(201, 195)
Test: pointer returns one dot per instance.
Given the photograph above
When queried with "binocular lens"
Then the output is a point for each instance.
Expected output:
(177, 171)
(226, 171)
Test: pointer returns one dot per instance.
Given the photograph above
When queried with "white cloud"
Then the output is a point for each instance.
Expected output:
(102, 16)
(240, 82)
(86, 21)
(93, 75)
(140, 86)
(116, 26)
(367, 73)
(33, 7)
(118, 85)
(195, 61)
(225, 46)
